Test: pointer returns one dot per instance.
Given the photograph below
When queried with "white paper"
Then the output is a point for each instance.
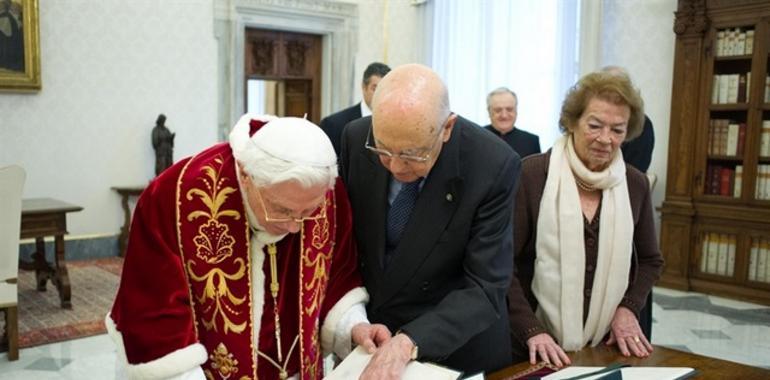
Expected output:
(629, 373)
(354, 364)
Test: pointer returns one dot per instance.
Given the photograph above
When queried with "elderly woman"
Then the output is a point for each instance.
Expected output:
(585, 250)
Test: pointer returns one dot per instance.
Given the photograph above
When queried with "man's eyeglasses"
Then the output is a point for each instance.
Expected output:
(402, 156)
(319, 213)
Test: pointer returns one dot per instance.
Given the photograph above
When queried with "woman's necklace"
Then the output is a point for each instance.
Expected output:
(272, 251)
(584, 185)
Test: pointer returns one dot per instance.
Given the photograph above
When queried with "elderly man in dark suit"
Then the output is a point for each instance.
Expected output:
(502, 105)
(432, 197)
(334, 123)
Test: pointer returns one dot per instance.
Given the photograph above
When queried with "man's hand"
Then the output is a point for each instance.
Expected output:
(548, 350)
(628, 335)
(390, 360)
(370, 336)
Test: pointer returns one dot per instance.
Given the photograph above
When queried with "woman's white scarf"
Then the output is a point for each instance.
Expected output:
(560, 264)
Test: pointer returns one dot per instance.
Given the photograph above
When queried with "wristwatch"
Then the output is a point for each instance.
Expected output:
(415, 349)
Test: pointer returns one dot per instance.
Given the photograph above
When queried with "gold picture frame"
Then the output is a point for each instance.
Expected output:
(19, 46)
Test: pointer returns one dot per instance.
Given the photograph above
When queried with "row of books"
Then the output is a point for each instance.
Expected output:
(759, 260)
(727, 137)
(762, 188)
(764, 139)
(718, 254)
(735, 41)
(730, 88)
(724, 180)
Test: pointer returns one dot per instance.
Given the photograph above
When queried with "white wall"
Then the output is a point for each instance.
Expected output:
(391, 32)
(639, 35)
(109, 67)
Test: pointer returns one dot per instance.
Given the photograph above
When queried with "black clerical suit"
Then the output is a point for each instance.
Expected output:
(445, 286)
(524, 143)
(333, 124)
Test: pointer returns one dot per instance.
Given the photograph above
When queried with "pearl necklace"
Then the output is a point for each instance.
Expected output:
(584, 185)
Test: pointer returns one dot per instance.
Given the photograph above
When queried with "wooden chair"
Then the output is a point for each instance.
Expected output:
(11, 184)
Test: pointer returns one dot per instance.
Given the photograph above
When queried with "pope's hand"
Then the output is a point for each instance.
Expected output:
(370, 336)
(390, 360)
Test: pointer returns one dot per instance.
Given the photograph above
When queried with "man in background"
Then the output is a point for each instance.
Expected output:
(502, 105)
(334, 123)
(432, 197)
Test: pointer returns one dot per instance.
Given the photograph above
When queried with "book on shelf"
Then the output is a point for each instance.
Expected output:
(748, 85)
(762, 261)
(750, 41)
(720, 46)
(741, 139)
(731, 147)
(738, 186)
(722, 255)
(753, 260)
(704, 252)
(764, 146)
(724, 81)
(712, 265)
(726, 181)
(731, 247)
(741, 88)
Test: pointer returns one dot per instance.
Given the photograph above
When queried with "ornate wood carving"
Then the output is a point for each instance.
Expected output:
(263, 53)
(691, 17)
(295, 57)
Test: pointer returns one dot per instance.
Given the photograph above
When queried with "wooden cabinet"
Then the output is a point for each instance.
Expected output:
(715, 220)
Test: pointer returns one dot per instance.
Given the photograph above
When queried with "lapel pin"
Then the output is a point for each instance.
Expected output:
(449, 197)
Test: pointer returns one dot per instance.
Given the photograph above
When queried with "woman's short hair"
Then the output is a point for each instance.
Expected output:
(613, 88)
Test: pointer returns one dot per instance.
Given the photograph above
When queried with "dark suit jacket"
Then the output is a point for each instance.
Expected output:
(524, 143)
(333, 124)
(446, 284)
(638, 152)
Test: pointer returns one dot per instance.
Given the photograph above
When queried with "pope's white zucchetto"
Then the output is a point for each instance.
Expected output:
(291, 139)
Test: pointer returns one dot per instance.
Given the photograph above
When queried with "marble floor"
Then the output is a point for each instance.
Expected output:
(706, 325)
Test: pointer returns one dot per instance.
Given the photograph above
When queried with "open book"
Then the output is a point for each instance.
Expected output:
(626, 373)
(354, 364)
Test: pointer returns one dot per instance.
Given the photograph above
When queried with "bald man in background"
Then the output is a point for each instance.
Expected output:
(432, 197)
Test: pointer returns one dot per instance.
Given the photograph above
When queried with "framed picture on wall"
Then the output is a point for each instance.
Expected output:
(19, 45)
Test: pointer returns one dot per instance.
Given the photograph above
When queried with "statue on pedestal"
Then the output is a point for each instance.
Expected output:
(163, 143)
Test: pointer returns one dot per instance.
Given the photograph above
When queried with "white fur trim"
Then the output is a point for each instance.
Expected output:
(337, 313)
(172, 364)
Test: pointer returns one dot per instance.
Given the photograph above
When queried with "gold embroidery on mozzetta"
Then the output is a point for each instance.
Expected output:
(213, 245)
(213, 242)
(318, 282)
(216, 290)
(223, 362)
(321, 231)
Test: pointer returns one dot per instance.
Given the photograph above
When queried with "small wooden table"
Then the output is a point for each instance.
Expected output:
(709, 368)
(41, 217)
(125, 193)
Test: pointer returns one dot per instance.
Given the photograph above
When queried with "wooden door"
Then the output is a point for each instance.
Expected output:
(294, 61)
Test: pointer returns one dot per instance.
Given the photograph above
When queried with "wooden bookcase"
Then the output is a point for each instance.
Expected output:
(712, 233)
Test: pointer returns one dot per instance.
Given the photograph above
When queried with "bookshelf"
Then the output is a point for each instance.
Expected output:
(715, 219)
